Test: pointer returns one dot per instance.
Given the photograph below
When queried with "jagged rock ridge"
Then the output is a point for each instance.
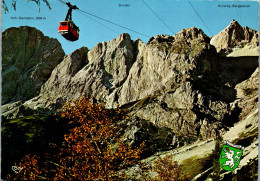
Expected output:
(125, 72)
(27, 62)
(168, 71)
(235, 36)
(120, 71)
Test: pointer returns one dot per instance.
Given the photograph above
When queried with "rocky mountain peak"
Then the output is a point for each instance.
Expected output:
(234, 35)
(123, 37)
(188, 35)
(191, 34)
(234, 23)
(160, 39)
(235, 29)
(27, 61)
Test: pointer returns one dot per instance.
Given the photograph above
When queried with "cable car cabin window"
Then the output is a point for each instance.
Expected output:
(64, 23)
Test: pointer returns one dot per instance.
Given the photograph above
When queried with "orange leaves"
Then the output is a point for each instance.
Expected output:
(92, 150)
(95, 142)
(168, 169)
(30, 169)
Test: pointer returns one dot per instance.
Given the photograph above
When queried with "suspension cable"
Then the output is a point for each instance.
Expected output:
(199, 17)
(63, 2)
(93, 19)
(158, 16)
(113, 23)
(100, 23)
(87, 13)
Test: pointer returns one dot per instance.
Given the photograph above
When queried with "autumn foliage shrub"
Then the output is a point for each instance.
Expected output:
(168, 170)
(92, 150)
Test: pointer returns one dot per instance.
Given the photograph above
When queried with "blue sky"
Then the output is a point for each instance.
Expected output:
(177, 14)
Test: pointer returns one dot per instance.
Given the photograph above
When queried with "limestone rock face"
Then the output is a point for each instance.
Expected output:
(96, 72)
(192, 34)
(122, 71)
(57, 87)
(185, 110)
(176, 82)
(249, 87)
(235, 36)
(165, 62)
(27, 61)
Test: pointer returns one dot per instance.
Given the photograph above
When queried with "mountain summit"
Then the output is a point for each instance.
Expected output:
(28, 60)
(234, 35)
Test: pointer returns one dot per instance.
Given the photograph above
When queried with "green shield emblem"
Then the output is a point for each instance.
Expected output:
(230, 156)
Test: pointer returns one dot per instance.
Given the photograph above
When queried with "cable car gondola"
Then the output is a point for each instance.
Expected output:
(67, 28)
